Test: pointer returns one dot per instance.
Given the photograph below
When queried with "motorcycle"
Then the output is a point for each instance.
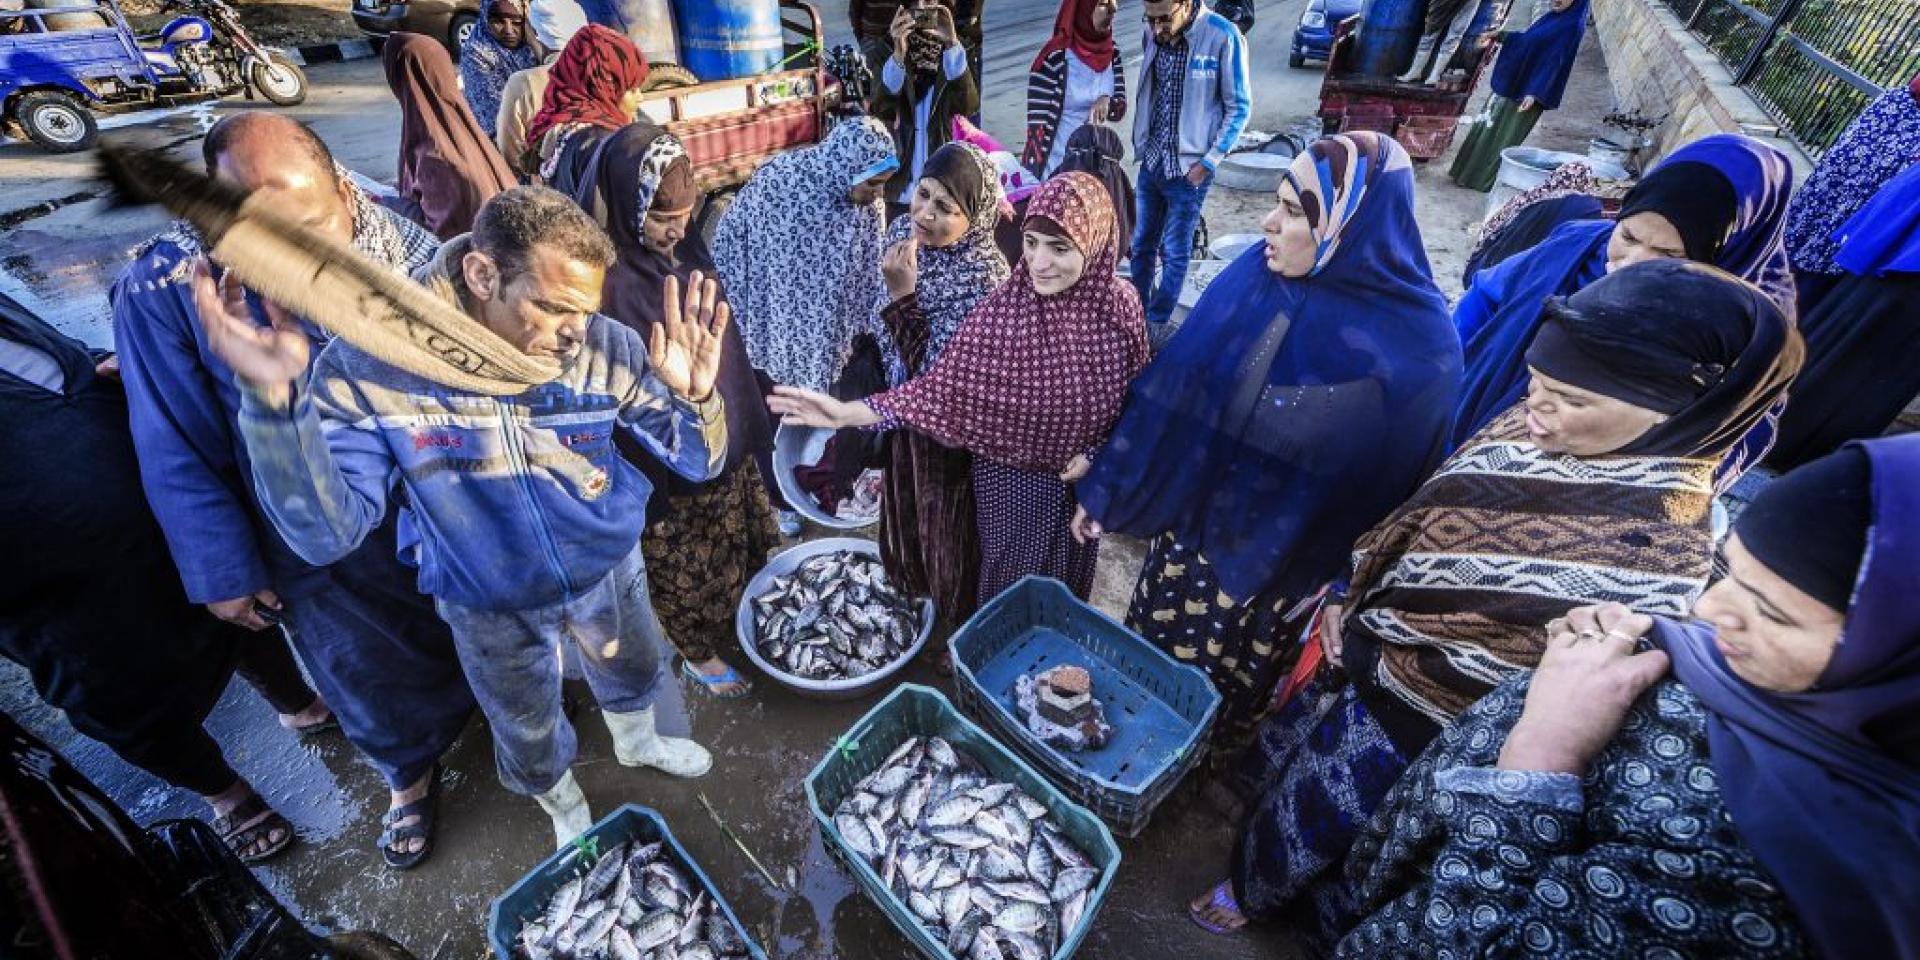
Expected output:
(208, 49)
(59, 65)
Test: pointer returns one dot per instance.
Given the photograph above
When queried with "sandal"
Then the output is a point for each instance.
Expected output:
(246, 826)
(426, 809)
(1219, 898)
(711, 684)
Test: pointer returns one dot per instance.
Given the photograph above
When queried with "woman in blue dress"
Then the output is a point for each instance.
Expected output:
(1302, 400)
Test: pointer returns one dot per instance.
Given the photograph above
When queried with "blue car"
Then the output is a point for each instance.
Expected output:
(1313, 37)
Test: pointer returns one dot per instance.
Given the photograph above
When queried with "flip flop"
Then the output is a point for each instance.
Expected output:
(711, 683)
(427, 809)
(1221, 897)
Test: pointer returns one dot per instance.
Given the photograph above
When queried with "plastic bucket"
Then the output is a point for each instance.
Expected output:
(724, 39)
(649, 24)
(1606, 151)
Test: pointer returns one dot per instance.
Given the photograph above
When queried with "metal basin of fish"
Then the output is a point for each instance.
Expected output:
(796, 446)
(784, 565)
(639, 895)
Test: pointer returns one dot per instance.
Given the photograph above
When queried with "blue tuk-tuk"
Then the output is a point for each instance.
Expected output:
(62, 63)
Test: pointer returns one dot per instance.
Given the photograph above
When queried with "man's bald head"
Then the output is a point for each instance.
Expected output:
(272, 154)
(254, 131)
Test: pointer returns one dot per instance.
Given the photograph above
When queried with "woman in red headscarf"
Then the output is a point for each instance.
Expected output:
(448, 165)
(592, 91)
(1076, 79)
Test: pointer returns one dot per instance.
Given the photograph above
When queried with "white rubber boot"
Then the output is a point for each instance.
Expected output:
(637, 744)
(1420, 54)
(568, 808)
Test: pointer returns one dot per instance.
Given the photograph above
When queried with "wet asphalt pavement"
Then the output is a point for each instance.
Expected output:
(61, 244)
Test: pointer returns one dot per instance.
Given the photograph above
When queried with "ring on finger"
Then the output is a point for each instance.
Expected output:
(1619, 635)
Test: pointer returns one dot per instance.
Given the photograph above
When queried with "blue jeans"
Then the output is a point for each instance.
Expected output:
(1166, 211)
(512, 658)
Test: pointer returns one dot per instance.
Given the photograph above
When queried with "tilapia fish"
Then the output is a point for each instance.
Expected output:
(834, 618)
(979, 863)
(632, 904)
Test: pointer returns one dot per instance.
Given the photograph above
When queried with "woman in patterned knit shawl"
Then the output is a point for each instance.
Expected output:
(1597, 488)
(1033, 378)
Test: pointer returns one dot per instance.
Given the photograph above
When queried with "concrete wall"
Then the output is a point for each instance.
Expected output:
(1655, 66)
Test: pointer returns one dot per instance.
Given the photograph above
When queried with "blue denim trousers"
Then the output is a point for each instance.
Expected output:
(1166, 209)
(513, 660)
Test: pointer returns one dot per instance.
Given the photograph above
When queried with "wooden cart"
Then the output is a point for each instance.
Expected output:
(730, 127)
(1422, 118)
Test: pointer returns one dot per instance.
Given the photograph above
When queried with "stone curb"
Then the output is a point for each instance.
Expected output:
(333, 52)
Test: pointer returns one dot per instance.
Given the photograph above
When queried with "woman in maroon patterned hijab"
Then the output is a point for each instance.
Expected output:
(1033, 379)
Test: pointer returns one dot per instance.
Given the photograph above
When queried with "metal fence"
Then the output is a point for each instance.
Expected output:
(1812, 64)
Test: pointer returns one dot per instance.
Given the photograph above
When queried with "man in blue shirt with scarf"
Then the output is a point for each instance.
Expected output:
(380, 657)
(522, 516)
(1194, 103)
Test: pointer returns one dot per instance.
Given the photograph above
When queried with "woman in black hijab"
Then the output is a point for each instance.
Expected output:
(703, 540)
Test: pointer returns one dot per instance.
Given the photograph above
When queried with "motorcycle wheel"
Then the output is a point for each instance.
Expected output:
(56, 122)
(280, 81)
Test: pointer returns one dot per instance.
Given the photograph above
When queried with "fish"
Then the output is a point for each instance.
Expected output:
(1071, 881)
(560, 909)
(656, 929)
(834, 618)
(977, 862)
(620, 945)
(1021, 917)
(954, 811)
(631, 903)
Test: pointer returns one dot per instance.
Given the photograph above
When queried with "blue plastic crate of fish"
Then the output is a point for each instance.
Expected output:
(879, 738)
(1160, 709)
(633, 826)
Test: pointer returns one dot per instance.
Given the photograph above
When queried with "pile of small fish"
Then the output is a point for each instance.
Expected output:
(632, 905)
(977, 861)
(834, 618)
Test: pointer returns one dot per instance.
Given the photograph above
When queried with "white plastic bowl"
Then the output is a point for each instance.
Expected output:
(797, 446)
(784, 563)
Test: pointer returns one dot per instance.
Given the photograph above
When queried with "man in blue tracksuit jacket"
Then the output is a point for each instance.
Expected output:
(373, 645)
(1194, 102)
(522, 516)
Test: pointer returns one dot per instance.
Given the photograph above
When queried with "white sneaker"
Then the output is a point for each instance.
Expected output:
(568, 808)
(637, 744)
(789, 522)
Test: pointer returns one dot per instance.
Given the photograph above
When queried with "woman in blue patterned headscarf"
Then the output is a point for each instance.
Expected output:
(1303, 399)
(1720, 200)
(1880, 143)
(498, 48)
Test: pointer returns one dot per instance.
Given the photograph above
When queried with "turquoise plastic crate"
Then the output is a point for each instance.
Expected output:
(1160, 708)
(913, 710)
(526, 898)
